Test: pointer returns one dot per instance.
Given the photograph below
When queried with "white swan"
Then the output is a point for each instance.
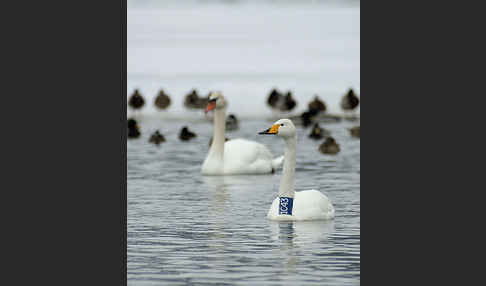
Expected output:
(236, 156)
(292, 205)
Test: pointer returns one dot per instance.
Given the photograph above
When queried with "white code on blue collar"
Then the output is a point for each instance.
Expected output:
(286, 205)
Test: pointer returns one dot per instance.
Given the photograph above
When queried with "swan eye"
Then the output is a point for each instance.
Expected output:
(281, 125)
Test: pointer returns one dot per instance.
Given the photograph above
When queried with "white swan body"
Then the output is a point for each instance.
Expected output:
(241, 157)
(308, 205)
(236, 156)
(304, 205)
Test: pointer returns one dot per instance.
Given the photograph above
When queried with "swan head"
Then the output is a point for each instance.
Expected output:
(216, 101)
(284, 128)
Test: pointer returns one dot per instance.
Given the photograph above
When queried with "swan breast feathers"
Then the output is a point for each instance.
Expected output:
(308, 205)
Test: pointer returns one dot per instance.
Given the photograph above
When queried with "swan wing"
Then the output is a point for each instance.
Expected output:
(277, 162)
(243, 156)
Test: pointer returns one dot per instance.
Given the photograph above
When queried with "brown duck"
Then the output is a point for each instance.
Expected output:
(355, 131)
(157, 138)
(329, 146)
(162, 101)
(349, 101)
(317, 105)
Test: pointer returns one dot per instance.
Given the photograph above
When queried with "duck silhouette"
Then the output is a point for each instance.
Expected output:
(290, 102)
(307, 117)
(186, 135)
(317, 105)
(157, 138)
(232, 123)
(136, 100)
(318, 132)
(355, 131)
(133, 129)
(162, 101)
(330, 146)
(349, 101)
(281, 102)
(193, 101)
(273, 98)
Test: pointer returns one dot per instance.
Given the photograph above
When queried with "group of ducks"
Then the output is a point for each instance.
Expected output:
(283, 102)
(349, 103)
(329, 146)
(136, 102)
(162, 101)
(276, 99)
(157, 138)
(242, 156)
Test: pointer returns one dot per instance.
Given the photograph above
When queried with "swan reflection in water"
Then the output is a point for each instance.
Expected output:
(217, 187)
(296, 237)
(228, 197)
(232, 193)
(301, 233)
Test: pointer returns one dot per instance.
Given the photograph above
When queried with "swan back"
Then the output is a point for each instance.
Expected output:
(243, 156)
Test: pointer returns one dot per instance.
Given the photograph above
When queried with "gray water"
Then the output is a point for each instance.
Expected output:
(189, 229)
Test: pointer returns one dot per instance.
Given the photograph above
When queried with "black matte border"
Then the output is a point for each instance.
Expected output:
(64, 165)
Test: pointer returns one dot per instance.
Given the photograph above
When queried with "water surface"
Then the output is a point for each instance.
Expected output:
(185, 228)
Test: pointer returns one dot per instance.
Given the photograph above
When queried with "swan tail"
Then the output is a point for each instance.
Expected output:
(277, 162)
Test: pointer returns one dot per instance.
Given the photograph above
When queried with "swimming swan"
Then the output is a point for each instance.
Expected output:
(292, 205)
(237, 156)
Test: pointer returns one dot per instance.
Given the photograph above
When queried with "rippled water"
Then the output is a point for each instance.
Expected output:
(188, 229)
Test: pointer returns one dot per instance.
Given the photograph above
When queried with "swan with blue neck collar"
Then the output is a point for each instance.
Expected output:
(291, 205)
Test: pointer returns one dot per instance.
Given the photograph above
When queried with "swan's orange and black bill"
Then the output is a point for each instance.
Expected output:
(271, 131)
(211, 105)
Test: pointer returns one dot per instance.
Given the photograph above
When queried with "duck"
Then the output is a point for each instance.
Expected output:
(236, 156)
(136, 100)
(232, 123)
(186, 135)
(133, 129)
(193, 101)
(329, 146)
(273, 98)
(306, 118)
(282, 102)
(317, 105)
(349, 101)
(291, 205)
(162, 101)
(157, 138)
(355, 131)
(290, 102)
(318, 132)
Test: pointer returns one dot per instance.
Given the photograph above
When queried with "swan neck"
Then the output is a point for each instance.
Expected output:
(287, 182)
(217, 148)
